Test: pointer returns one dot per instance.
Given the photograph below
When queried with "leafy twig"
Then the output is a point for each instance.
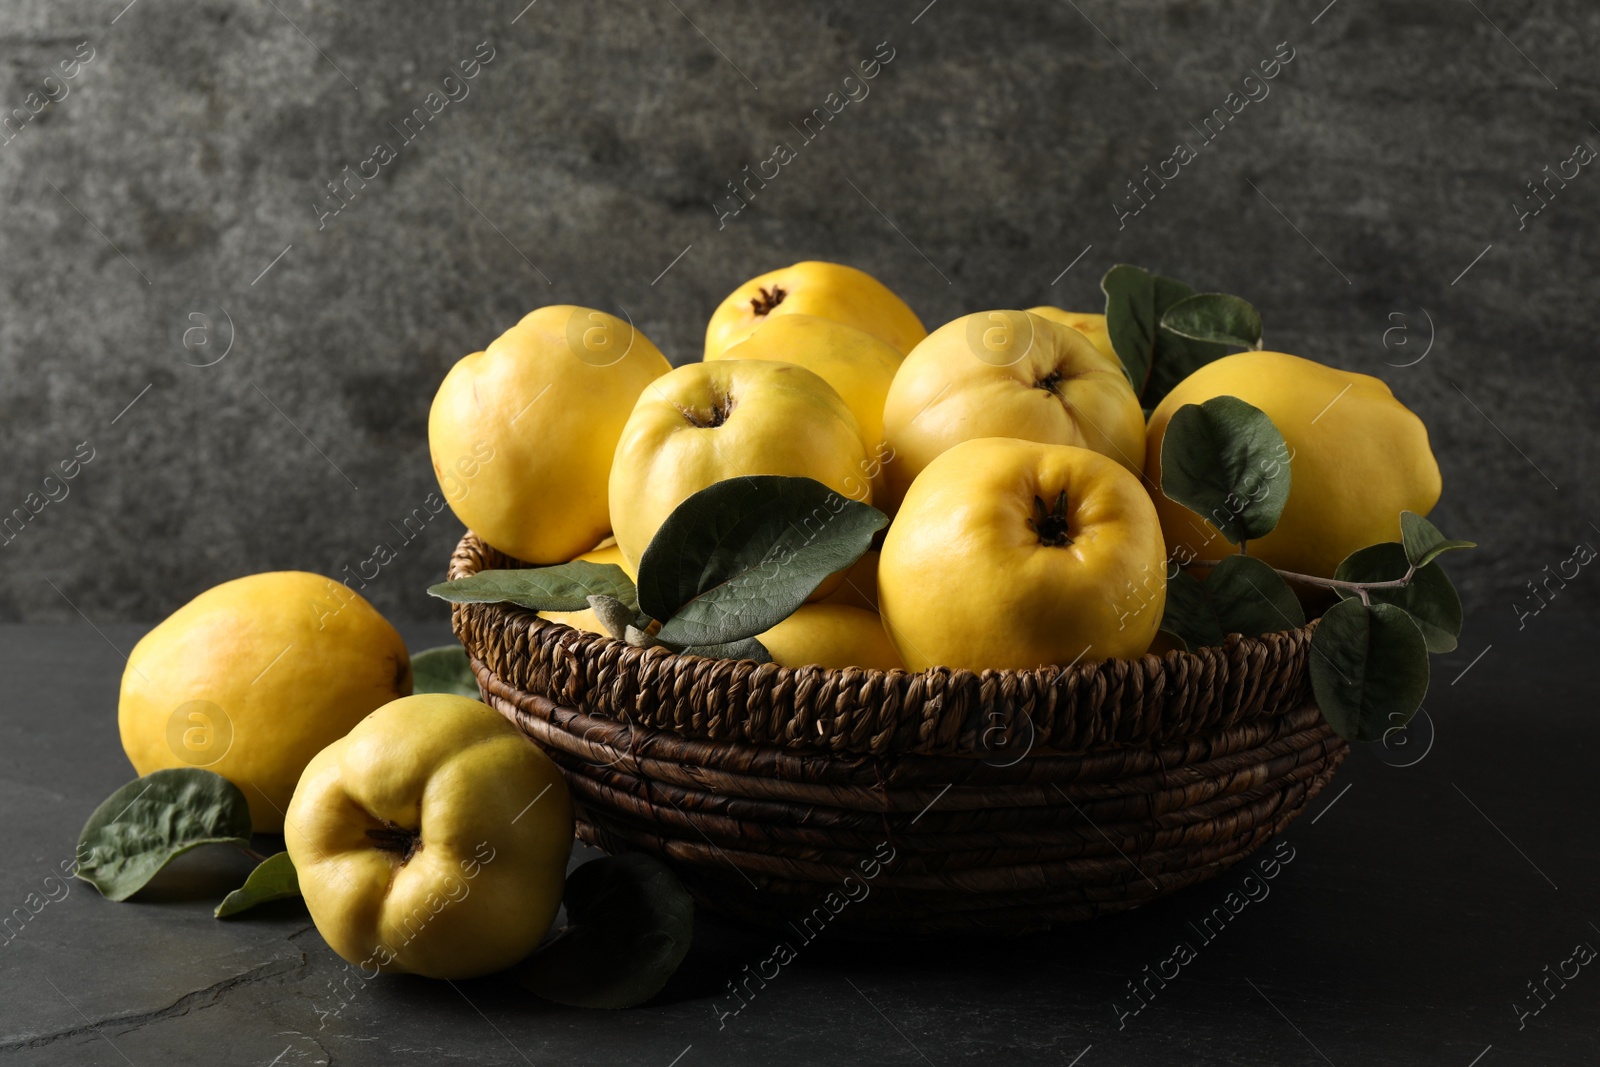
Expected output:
(1360, 588)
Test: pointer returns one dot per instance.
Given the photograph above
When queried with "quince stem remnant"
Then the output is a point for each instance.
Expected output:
(1051, 523)
(764, 303)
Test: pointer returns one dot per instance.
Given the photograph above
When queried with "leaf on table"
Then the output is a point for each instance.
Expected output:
(144, 825)
(273, 879)
(629, 926)
(445, 669)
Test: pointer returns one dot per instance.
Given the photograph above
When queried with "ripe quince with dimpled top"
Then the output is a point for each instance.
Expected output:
(253, 677)
(1357, 458)
(1016, 554)
(729, 418)
(523, 432)
(858, 365)
(432, 839)
(1089, 323)
(828, 290)
(1007, 374)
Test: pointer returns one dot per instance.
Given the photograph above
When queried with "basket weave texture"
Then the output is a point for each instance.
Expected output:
(885, 803)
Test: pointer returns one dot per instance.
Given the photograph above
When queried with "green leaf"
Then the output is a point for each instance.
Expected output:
(145, 824)
(1155, 359)
(1131, 319)
(1215, 317)
(1241, 595)
(1225, 461)
(1430, 597)
(629, 925)
(563, 587)
(1424, 543)
(749, 648)
(273, 879)
(444, 670)
(1369, 669)
(737, 558)
(1176, 358)
(1188, 615)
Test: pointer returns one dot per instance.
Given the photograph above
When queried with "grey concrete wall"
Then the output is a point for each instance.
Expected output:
(1367, 200)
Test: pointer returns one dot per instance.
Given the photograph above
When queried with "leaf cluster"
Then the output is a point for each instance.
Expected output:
(730, 562)
(1225, 460)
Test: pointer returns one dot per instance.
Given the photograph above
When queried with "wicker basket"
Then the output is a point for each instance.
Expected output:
(888, 803)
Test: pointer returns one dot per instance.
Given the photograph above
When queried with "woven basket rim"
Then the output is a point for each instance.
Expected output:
(534, 620)
(1085, 706)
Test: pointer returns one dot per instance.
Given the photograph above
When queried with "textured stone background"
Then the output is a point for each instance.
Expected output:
(191, 149)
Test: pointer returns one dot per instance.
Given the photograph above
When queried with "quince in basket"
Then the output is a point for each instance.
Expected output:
(827, 290)
(1091, 324)
(858, 365)
(1016, 554)
(1359, 457)
(522, 433)
(1008, 374)
(708, 422)
(831, 635)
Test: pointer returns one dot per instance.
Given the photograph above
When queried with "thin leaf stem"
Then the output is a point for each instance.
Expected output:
(1361, 588)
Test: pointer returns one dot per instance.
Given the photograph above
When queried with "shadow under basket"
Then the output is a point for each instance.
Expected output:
(885, 803)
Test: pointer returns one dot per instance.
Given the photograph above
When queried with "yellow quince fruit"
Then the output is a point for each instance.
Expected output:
(253, 677)
(828, 290)
(1007, 374)
(1089, 323)
(1357, 457)
(858, 365)
(523, 432)
(831, 635)
(707, 422)
(1016, 554)
(432, 839)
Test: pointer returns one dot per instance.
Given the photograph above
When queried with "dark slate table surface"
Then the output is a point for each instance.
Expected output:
(1430, 884)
